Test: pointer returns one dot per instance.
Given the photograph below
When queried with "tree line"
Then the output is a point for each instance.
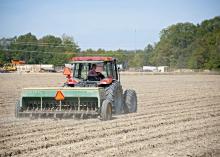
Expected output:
(46, 50)
(185, 45)
(182, 45)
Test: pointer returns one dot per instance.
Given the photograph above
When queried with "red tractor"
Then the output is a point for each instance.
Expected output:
(92, 87)
(107, 76)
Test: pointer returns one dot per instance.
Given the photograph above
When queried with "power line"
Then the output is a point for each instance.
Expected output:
(62, 44)
(43, 44)
(57, 52)
(16, 50)
(73, 53)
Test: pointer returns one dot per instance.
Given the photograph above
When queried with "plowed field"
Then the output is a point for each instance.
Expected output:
(178, 115)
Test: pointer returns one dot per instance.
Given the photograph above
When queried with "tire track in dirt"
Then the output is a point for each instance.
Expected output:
(68, 132)
(64, 129)
(153, 143)
(194, 99)
(156, 95)
(68, 129)
(139, 135)
(64, 141)
(125, 149)
(43, 127)
(183, 141)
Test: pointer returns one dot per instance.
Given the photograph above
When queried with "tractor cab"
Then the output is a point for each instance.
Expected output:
(92, 71)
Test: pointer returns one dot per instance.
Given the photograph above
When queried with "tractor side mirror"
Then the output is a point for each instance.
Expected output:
(118, 73)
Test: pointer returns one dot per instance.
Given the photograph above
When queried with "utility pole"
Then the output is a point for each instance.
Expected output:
(135, 40)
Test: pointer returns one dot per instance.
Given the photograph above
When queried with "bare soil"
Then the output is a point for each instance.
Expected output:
(178, 115)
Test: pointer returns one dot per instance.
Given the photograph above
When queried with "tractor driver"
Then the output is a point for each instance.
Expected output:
(93, 73)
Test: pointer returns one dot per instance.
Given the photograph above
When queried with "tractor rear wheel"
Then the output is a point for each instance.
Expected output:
(130, 101)
(114, 94)
(106, 110)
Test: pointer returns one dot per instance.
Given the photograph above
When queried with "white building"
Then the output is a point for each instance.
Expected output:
(120, 66)
(155, 69)
(34, 67)
(162, 69)
(150, 68)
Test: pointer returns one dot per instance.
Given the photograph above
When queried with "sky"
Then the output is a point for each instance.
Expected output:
(106, 24)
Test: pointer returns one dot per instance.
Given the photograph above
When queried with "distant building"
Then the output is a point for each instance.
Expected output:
(150, 68)
(120, 66)
(35, 68)
(162, 69)
(28, 68)
(47, 68)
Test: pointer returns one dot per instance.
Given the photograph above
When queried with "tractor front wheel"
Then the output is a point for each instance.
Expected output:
(106, 110)
(130, 101)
